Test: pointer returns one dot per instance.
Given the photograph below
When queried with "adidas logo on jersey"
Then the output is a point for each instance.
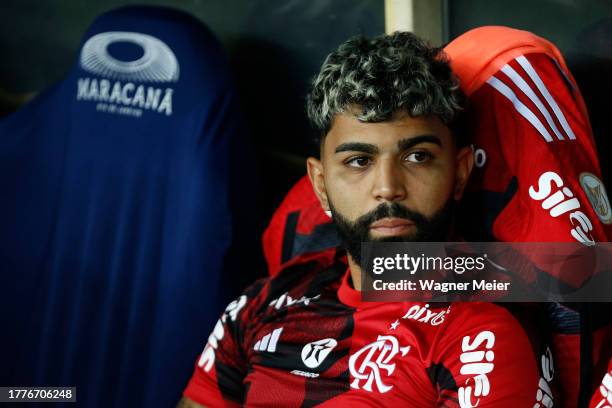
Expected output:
(269, 341)
(477, 357)
(547, 114)
(560, 202)
(315, 352)
(285, 300)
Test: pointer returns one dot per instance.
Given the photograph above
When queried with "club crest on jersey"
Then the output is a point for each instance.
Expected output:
(560, 201)
(596, 193)
(368, 364)
(477, 358)
(315, 352)
(117, 85)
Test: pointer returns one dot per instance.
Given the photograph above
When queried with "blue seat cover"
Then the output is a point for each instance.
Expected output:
(116, 215)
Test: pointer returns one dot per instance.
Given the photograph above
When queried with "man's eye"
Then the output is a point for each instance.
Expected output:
(418, 157)
(358, 162)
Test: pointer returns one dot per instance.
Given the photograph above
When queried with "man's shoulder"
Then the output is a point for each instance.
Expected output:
(299, 280)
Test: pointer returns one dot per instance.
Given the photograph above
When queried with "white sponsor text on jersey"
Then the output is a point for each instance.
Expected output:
(477, 361)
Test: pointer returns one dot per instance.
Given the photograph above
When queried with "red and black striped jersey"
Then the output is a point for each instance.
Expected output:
(305, 338)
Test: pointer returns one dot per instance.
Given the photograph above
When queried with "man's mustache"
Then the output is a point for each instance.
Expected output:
(393, 210)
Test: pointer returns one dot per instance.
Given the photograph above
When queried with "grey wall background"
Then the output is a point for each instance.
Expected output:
(560, 21)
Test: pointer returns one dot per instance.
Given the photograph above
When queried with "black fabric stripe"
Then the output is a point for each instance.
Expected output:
(289, 236)
(323, 237)
(586, 356)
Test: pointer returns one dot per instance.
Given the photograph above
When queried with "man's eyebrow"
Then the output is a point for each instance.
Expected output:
(406, 144)
(357, 147)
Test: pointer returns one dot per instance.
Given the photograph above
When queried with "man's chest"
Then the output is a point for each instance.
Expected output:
(310, 350)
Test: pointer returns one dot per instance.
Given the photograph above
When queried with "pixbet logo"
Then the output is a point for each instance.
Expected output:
(424, 315)
(477, 358)
(207, 359)
(562, 201)
(367, 363)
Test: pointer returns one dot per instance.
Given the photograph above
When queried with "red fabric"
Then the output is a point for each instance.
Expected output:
(515, 147)
(566, 348)
(300, 198)
(493, 64)
(435, 355)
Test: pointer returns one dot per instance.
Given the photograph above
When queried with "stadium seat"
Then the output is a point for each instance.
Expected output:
(119, 209)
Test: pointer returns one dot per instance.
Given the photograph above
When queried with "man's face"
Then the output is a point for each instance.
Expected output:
(390, 181)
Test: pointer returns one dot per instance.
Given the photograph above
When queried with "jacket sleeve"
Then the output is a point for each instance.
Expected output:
(535, 152)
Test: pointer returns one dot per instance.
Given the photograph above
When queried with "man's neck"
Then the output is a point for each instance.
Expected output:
(355, 272)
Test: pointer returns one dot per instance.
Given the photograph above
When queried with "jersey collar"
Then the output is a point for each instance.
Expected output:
(347, 294)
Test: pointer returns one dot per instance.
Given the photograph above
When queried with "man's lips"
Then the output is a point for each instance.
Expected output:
(391, 226)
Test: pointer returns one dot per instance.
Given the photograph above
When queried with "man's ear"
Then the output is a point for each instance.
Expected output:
(315, 173)
(464, 165)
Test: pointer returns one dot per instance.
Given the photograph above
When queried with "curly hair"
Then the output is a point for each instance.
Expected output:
(374, 78)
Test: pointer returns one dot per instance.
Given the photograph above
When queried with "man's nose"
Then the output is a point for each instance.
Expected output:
(389, 181)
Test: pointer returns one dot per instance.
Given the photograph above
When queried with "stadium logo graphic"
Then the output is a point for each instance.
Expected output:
(424, 315)
(367, 363)
(596, 193)
(157, 64)
(477, 359)
(560, 202)
(544, 396)
(269, 341)
(315, 352)
(118, 90)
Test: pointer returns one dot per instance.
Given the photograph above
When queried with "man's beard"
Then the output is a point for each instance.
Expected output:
(427, 229)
